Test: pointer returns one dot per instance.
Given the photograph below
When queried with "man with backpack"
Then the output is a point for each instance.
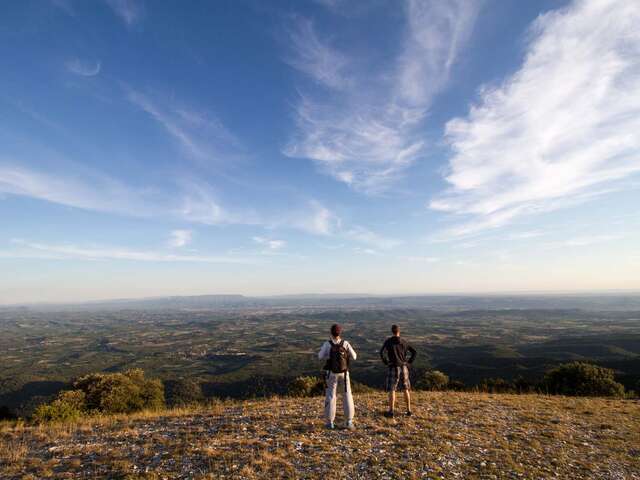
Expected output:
(337, 353)
(394, 355)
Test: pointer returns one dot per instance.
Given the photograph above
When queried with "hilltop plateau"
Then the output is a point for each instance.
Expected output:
(451, 435)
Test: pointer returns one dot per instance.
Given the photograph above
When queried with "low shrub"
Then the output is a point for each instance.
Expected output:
(68, 405)
(106, 393)
(432, 380)
(305, 387)
(123, 392)
(582, 379)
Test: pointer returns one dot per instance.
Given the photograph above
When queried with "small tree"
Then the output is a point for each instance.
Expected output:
(305, 387)
(432, 380)
(582, 379)
(182, 392)
(120, 392)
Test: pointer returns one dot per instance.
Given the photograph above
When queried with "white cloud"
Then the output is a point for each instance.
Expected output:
(270, 243)
(82, 67)
(199, 205)
(366, 236)
(130, 11)
(364, 131)
(315, 218)
(559, 131)
(180, 238)
(73, 252)
(201, 135)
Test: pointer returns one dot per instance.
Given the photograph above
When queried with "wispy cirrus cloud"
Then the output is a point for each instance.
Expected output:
(436, 33)
(364, 130)
(200, 134)
(129, 11)
(561, 130)
(27, 249)
(322, 63)
(87, 191)
(188, 201)
(83, 68)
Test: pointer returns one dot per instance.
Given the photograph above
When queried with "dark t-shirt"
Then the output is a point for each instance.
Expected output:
(396, 349)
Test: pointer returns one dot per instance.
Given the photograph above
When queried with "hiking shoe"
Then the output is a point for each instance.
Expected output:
(350, 426)
(330, 426)
(409, 413)
(389, 414)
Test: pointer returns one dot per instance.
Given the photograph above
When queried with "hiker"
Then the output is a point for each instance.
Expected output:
(337, 353)
(396, 350)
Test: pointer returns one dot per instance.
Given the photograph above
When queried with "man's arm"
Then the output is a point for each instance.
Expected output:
(323, 354)
(352, 352)
(382, 350)
(412, 353)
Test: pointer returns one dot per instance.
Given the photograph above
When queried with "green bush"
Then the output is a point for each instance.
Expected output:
(68, 405)
(432, 380)
(182, 392)
(103, 393)
(123, 392)
(305, 387)
(582, 379)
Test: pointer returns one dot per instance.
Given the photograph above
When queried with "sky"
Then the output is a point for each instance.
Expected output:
(328, 146)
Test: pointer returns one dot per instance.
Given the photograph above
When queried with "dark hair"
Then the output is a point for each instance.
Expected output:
(336, 330)
(395, 329)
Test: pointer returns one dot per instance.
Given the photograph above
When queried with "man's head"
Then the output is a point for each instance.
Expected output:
(395, 329)
(336, 330)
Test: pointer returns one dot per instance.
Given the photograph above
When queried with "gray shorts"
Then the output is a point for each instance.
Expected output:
(398, 379)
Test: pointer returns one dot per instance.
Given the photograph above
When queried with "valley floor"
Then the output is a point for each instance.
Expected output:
(451, 435)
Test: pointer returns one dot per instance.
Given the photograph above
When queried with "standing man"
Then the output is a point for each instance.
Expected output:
(337, 352)
(394, 355)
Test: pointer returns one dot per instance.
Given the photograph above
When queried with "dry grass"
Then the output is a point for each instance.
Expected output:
(451, 435)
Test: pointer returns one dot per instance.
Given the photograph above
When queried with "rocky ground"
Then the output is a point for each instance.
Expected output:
(451, 435)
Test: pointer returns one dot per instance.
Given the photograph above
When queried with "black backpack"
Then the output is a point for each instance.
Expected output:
(338, 358)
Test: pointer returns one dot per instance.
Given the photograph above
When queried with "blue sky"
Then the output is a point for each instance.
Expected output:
(329, 146)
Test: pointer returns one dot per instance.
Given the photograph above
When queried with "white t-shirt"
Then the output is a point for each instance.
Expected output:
(325, 350)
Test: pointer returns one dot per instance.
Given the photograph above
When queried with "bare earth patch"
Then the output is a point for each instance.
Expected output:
(451, 435)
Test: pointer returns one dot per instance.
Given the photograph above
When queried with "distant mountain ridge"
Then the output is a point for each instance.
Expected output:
(605, 301)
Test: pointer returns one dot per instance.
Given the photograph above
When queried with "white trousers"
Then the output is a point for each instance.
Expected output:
(338, 382)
